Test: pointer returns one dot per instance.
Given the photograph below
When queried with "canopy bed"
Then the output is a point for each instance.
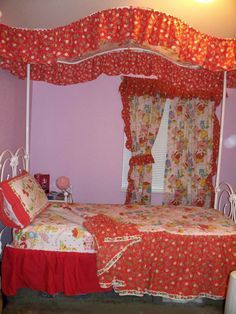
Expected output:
(180, 63)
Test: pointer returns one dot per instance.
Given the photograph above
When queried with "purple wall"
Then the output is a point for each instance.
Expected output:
(12, 111)
(228, 170)
(77, 131)
(12, 118)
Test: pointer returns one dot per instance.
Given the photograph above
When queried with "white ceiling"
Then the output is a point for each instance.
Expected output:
(217, 18)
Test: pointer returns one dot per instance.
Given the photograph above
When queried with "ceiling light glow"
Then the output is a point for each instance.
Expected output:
(204, 1)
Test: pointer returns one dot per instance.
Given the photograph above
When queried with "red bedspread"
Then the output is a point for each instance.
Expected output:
(112, 238)
(161, 263)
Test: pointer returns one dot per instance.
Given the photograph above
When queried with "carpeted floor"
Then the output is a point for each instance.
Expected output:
(28, 302)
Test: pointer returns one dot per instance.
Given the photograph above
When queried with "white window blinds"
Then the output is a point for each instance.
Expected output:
(159, 154)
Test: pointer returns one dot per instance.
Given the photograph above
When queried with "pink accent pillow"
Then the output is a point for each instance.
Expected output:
(21, 199)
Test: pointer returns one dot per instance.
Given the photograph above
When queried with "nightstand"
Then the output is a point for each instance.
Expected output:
(55, 196)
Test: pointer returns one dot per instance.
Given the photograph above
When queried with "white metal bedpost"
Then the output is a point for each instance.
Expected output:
(222, 119)
(27, 137)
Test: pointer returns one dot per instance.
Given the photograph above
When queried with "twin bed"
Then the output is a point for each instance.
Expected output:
(178, 252)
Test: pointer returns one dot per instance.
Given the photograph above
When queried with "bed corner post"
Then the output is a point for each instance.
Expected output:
(27, 131)
(222, 119)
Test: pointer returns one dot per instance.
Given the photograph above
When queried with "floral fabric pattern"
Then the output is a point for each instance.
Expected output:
(193, 134)
(56, 229)
(60, 226)
(142, 113)
(23, 199)
(145, 117)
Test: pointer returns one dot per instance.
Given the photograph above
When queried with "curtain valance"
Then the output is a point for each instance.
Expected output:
(112, 29)
(167, 87)
(173, 82)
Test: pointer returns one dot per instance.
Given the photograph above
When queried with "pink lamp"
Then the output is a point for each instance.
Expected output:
(63, 183)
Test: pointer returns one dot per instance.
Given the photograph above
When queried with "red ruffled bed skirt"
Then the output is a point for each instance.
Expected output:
(52, 272)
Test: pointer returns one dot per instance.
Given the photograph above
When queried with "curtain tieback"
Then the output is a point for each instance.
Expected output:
(139, 160)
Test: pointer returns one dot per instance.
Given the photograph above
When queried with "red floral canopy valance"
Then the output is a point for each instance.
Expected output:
(124, 31)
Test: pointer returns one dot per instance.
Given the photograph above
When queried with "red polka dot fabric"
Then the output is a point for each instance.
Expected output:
(176, 264)
(113, 29)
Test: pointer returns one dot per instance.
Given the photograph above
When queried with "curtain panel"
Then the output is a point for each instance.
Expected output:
(142, 113)
(145, 117)
(193, 141)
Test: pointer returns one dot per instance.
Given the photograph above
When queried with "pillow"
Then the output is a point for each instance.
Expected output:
(21, 199)
(7, 215)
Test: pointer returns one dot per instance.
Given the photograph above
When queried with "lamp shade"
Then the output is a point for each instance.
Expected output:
(63, 183)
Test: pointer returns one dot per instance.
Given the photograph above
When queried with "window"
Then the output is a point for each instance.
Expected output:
(159, 151)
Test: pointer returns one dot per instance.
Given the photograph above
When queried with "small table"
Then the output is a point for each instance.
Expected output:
(55, 196)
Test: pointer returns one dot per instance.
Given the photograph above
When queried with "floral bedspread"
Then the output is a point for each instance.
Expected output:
(60, 227)
(55, 229)
(179, 252)
(172, 219)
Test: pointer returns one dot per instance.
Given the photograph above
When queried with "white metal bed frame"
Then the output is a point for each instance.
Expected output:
(11, 164)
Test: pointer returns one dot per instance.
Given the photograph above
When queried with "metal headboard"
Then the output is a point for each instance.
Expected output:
(226, 200)
(11, 164)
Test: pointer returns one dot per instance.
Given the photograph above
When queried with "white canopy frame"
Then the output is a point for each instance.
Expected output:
(27, 120)
(222, 119)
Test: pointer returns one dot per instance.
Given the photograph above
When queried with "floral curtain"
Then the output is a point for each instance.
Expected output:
(193, 134)
(145, 113)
